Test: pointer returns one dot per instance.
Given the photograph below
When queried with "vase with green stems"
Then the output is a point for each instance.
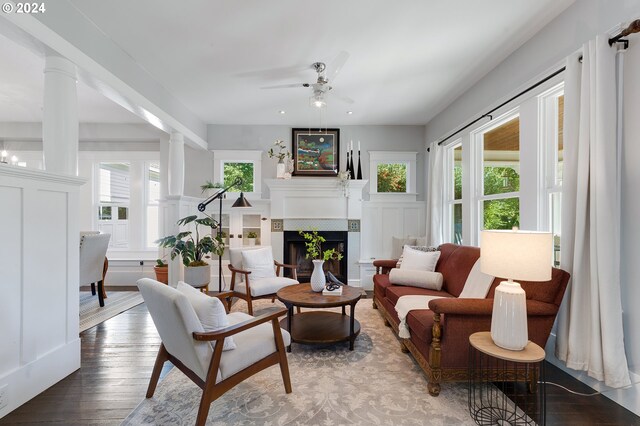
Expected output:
(313, 242)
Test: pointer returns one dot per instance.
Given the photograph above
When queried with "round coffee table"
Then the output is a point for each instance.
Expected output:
(320, 327)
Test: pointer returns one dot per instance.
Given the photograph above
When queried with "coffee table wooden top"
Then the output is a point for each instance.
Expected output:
(302, 295)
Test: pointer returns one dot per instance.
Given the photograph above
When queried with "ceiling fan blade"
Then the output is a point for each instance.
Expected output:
(341, 97)
(336, 65)
(284, 86)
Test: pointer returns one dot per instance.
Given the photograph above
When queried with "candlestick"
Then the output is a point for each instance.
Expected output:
(358, 146)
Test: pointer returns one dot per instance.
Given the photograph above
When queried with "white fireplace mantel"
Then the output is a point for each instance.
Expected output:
(300, 198)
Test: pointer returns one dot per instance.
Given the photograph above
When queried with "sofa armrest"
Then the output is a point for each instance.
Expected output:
(383, 266)
(485, 307)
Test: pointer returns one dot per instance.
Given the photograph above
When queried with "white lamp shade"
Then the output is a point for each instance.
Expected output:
(519, 255)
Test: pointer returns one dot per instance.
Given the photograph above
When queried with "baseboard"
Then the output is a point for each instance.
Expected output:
(629, 397)
(27, 381)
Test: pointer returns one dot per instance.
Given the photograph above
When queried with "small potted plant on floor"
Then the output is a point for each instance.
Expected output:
(251, 238)
(313, 242)
(162, 271)
(194, 248)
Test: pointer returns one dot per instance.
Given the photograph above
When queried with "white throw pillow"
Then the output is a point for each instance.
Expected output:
(421, 248)
(210, 312)
(418, 260)
(259, 262)
(477, 284)
(422, 279)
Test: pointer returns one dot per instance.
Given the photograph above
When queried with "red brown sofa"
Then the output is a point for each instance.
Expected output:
(440, 335)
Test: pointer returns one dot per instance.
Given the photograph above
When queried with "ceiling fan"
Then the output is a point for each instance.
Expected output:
(321, 87)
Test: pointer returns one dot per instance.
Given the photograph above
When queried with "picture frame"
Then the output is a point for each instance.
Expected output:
(316, 152)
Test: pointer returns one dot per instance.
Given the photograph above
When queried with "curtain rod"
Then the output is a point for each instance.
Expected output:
(634, 27)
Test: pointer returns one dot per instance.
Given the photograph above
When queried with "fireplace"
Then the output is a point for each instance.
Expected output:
(295, 252)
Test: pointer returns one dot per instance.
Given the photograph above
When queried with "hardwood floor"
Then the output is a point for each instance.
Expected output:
(118, 356)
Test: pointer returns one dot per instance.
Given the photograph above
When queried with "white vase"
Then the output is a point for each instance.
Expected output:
(281, 169)
(318, 280)
(197, 276)
(251, 241)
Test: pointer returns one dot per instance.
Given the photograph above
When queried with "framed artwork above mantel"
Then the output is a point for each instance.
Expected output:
(316, 152)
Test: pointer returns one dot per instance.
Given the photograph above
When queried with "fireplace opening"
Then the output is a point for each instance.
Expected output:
(295, 252)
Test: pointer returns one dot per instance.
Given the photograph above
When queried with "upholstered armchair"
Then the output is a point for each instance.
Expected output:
(204, 356)
(255, 275)
(93, 262)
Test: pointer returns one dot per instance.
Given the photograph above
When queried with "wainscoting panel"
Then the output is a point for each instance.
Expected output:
(383, 220)
(39, 264)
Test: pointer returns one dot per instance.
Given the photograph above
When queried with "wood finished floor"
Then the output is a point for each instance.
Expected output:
(118, 356)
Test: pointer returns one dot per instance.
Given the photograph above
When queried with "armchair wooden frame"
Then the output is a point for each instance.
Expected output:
(212, 390)
(235, 272)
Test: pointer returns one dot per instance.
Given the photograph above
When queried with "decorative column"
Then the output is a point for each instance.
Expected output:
(176, 164)
(60, 116)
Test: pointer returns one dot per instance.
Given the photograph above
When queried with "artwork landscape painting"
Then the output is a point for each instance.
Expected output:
(316, 152)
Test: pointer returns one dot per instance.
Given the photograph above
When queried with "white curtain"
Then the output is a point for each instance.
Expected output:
(590, 334)
(435, 196)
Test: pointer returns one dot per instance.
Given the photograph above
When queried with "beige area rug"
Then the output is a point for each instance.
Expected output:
(91, 314)
(375, 384)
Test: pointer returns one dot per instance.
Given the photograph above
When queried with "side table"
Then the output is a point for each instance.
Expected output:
(516, 373)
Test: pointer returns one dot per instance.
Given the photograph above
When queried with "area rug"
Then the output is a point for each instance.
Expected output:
(91, 314)
(376, 384)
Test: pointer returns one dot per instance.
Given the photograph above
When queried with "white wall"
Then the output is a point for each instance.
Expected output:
(38, 282)
(544, 52)
(375, 138)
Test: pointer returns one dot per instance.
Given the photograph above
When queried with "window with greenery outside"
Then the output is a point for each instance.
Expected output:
(502, 213)
(233, 171)
(392, 177)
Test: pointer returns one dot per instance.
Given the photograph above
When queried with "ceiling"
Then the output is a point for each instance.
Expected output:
(22, 91)
(407, 60)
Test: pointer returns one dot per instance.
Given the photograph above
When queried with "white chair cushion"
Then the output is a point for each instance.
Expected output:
(253, 345)
(259, 262)
(235, 255)
(176, 320)
(264, 285)
(210, 312)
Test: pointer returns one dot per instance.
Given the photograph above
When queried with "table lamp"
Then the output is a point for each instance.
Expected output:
(520, 255)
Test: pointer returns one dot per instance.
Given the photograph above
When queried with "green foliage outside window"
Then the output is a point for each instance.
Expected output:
(232, 171)
(505, 213)
(392, 177)
(457, 182)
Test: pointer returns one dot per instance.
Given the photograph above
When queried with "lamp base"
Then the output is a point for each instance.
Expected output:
(509, 318)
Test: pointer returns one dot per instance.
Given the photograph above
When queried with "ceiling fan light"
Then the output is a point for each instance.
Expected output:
(317, 101)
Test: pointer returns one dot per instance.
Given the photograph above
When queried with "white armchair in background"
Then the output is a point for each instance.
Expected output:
(255, 275)
(93, 263)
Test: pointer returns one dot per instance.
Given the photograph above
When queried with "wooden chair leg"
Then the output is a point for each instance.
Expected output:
(157, 369)
(93, 289)
(249, 306)
(101, 293)
(284, 364)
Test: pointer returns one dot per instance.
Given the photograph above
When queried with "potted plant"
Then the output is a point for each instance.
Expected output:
(161, 269)
(281, 154)
(208, 185)
(313, 242)
(194, 249)
(251, 238)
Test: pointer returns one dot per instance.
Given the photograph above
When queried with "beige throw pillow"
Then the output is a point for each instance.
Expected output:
(418, 260)
(397, 245)
(422, 279)
(420, 248)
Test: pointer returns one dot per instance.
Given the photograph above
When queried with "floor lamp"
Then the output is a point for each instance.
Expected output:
(240, 202)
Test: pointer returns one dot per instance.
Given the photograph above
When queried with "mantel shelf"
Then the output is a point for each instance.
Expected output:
(305, 184)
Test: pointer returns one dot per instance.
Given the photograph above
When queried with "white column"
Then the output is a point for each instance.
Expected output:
(60, 116)
(176, 164)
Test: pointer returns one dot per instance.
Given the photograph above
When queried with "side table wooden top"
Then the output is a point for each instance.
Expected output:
(302, 295)
(482, 341)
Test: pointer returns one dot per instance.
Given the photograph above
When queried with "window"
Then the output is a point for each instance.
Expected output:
(392, 177)
(113, 202)
(552, 103)
(453, 192)
(243, 170)
(392, 174)
(228, 165)
(499, 201)
(153, 195)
